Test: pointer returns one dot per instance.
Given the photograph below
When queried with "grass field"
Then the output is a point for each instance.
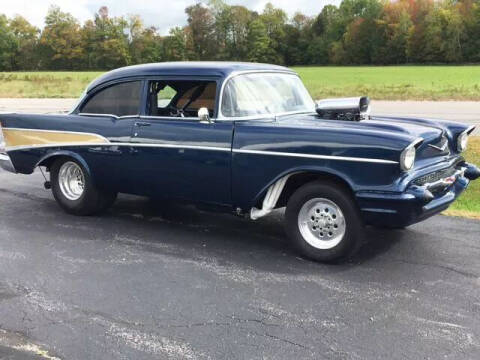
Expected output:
(468, 204)
(44, 84)
(380, 83)
(394, 82)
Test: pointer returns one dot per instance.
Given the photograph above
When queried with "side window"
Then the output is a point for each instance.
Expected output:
(120, 100)
(206, 99)
(165, 96)
(181, 98)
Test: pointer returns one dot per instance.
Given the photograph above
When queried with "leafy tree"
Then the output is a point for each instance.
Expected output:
(145, 45)
(298, 36)
(396, 24)
(259, 43)
(443, 32)
(61, 45)
(416, 42)
(237, 44)
(26, 38)
(200, 32)
(470, 41)
(175, 45)
(106, 41)
(274, 20)
(355, 32)
(328, 29)
(362, 38)
(8, 46)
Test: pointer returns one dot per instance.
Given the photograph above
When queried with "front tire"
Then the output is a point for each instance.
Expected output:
(74, 191)
(323, 222)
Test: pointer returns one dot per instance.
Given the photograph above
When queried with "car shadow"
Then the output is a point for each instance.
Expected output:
(231, 238)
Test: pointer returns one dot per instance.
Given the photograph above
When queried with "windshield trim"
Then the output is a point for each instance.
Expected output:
(220, 115)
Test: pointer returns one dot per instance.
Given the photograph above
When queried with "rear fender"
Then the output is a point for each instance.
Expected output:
(48, 159)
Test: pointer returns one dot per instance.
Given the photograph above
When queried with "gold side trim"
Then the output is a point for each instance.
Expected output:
(30, 137)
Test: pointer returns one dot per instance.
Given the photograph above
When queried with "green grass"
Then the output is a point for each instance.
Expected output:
(44, 84)
(394, 82)
(378, 82)
(468, 204)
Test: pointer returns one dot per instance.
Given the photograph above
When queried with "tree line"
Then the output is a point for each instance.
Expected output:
(374, 32)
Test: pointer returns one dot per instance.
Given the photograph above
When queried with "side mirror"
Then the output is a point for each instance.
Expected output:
(204, 116)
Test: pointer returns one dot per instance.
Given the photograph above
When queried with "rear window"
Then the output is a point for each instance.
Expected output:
(120, 100)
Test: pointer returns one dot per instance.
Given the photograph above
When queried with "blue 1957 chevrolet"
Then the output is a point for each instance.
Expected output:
(245, 138)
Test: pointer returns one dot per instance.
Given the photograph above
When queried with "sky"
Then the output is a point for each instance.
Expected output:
(163, 14)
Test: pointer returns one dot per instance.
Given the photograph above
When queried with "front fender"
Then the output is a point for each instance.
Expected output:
(317, 170)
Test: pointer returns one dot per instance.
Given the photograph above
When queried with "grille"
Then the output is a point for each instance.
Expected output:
(435, 176)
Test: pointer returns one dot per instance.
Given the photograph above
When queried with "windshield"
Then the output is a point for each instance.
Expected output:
(265, 93)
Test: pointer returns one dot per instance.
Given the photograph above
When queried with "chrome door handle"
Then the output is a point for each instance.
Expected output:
(142, 123)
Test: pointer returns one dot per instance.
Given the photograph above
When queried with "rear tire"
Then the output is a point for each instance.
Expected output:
(323, 222)
(74, 191)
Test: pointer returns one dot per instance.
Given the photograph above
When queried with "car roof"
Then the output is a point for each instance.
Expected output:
(194, 68)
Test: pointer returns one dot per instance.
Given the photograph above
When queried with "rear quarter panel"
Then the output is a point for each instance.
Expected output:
(104, 162)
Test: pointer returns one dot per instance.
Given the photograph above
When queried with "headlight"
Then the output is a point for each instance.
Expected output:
(407, 158)
(462, 141)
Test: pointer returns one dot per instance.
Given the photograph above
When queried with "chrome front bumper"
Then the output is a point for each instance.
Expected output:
(6, 163)
(418, 201)
(445, 182)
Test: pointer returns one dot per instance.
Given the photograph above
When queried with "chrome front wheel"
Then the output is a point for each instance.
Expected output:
(321, 223)
(71, 180)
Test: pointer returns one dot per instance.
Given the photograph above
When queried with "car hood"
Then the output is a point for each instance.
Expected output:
(432, 132)
(426, 129)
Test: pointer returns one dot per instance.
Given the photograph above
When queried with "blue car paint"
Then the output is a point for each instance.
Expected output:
(180, 69)
(198, 175)
(239, 180)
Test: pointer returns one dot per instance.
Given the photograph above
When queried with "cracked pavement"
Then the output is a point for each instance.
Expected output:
(154, 280)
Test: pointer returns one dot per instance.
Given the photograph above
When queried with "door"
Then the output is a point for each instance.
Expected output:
(111, 112)
(175, 154)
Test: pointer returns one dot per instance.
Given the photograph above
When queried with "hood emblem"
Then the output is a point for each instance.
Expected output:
(441, 148)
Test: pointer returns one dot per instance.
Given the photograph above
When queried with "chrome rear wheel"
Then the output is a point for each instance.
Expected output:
(71, 181)
(74, 190)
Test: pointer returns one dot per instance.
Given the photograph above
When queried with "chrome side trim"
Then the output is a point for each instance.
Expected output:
(175, 146)
(6, 163)
(470, 129)
(108, 115)
(153, 117)
(314, 156)
(111, 144)
(211, 148)
(416, 142)
(265, 117)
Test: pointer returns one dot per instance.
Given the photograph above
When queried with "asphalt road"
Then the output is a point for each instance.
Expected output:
(154, 280)
(162, 281)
